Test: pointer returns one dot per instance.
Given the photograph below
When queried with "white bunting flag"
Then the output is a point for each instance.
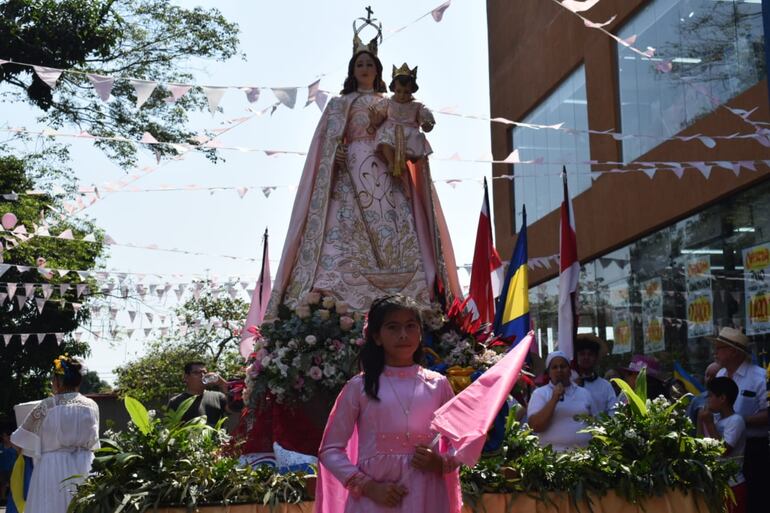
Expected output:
(47, 289)
(77, 336)
(147, 138)
(438, 12)
(83, 274)
(80, 289)
(11, 289)
(21, 299)
(7, 339)
(24, 337)
(704, 168)
(592, 24)
(286, 95)
(214, 96)
(48, 75)
(40, 302)
(64, 287)
(3, 268)
(650, 172)
(59, 336)
(66, 234)
(76, 307)
(252, 93)
(102, 85)
(147, 332)
(130, 332)
(143, 89)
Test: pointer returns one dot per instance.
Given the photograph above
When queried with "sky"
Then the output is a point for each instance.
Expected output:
(290, 43)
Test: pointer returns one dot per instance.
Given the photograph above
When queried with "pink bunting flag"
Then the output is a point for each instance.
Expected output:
(48, 75)
(242, 191)
(29, 289)
(312, 91)
(143, 90)
(102, 85)
(286, 95)
(66, 234)
(579, 5)
(76, 307)
(147, 138)
(466, 418)
(64, 287)
(438, 12)
(177, 91)
(80, 289)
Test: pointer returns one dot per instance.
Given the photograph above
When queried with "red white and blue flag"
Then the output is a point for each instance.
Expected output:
(487, 272)
(569, 271)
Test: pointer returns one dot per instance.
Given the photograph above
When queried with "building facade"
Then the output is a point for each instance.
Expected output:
(667, 159)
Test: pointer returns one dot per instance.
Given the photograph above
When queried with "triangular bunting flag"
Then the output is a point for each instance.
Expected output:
(21, 299)
(147, 138)
(11, 289)
(438, 12)
(40, 302)
(24, 337)
(80, 289)
(286, 95)
(143, 89)
(177, 91)
(48, 75)
(7, 339)
(102, 85)
(66, 234)
(252, 93)
(321, 98)
(147, 332)
(131, 315)
(312, 91)
(76, 307)
(59, 336)
(650, 172)
(47, 289)
(704, 168)
(64, 287)
(3, 268)
(214, 96)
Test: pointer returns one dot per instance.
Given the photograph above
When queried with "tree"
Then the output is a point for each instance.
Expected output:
(144, 39)
(93, 384)
(209, 332)
(25, 372)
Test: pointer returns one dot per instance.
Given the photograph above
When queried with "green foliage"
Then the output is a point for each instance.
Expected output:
(148, 39)
(92, 384)
(638, 453)
(25, 372)
(167, 462)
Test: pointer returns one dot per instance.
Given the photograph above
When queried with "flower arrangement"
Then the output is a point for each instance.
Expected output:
(313, 348)
(306, 350)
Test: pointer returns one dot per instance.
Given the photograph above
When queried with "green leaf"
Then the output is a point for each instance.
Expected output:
(139, 415)
(637, 404)
(641, 384)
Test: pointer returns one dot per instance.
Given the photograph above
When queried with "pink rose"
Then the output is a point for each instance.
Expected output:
(299, 383)
(312, 298)
(315, 372)
(337, 345)
(302, 311)
(317, 360)
(342, 307)
(360, 342)
(346, 323)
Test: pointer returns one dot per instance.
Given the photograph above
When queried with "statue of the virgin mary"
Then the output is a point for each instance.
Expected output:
(357, 232)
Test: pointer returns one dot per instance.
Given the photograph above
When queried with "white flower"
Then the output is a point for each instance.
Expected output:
(292, 344)
(302, 311)
(311, 340)
(312, 298)
(329, 370)
(328, 302)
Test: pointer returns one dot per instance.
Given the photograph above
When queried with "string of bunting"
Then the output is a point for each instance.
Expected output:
(143, 88)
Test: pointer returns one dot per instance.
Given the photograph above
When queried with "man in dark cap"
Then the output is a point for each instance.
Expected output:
(589, 349)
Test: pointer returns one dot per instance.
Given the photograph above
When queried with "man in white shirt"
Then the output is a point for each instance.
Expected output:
(589, 349)
(732, 353)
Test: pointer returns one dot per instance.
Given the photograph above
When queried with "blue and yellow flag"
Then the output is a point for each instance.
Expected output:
(512, 313)
(691, 384)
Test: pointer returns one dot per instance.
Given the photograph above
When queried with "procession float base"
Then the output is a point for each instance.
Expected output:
(674, 501)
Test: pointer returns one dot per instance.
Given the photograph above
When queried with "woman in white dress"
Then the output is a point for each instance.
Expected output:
(60, 434)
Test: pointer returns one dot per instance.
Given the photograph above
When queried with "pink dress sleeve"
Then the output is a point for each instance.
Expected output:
(339, 428)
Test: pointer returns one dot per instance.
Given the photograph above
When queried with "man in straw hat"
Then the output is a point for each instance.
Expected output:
(732, 353)
(589, 349)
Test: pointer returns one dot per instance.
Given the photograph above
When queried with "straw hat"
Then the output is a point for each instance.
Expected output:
(734, 338)
(591, 341)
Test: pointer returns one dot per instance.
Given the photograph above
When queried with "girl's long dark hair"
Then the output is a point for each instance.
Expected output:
(372, 357)
(351, 84)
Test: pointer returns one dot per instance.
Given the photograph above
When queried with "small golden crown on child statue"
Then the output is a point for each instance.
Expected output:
(358, 45)
(405, 71)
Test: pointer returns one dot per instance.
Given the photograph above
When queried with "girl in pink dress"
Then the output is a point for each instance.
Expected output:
(399, 119)
(378, 453)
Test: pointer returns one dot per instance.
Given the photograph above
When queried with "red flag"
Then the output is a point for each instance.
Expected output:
(465, 419)
(259, 299)
(487, 272)
(569, 272)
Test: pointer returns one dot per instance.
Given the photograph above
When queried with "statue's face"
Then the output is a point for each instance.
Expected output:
(402, 93)
(365, 71)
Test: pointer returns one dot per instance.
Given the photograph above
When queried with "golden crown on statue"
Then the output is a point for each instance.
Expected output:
(371, 47)
(405, 71)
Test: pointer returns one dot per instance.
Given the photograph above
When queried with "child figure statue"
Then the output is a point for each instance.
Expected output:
(397, 121)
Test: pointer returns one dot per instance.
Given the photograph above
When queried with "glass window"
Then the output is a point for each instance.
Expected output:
(665, 292)
(540, 186)
(715, 48)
